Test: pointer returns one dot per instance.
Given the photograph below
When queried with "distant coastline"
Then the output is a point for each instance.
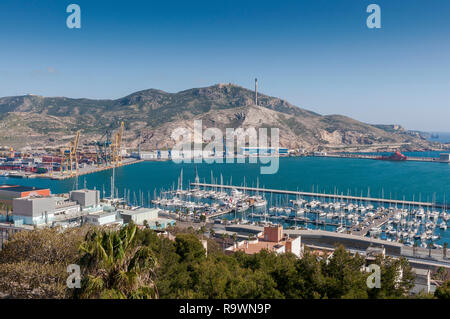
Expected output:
(442, 137)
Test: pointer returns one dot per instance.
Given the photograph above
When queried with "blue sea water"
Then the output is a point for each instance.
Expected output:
(425, 181)
(395, 180)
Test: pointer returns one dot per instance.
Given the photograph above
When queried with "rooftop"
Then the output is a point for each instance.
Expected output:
(84, 190)
(256, 247)
(137, 211)
(19, 188)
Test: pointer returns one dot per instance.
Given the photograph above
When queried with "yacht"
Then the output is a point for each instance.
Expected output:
(242, 207)
(260, 203)
(340, 229)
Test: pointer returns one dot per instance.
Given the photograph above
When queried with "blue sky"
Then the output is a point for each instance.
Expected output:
(317, 54)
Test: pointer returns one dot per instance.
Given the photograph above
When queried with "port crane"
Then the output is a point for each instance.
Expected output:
(69, 156)
(103, 147)
(116, 147)
(109, 150)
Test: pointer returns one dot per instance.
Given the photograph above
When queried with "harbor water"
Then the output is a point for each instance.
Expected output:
(419, 181)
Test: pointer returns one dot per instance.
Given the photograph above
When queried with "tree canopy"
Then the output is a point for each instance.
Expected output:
(140, 263)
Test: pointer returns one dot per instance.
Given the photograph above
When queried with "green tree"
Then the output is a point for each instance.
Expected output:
(115, 267)
(189, 248)
(33, 264)
(443, 292)
(397, 278)
(440, 274)
(344, 277)
(202, 231)
(415, 248)
(224, 237)
(234, 237)
(311, 279)
(444, 250)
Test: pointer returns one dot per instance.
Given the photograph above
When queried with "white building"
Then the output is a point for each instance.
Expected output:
(102, 218)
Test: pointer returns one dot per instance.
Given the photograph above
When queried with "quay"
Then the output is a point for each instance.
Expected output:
(323, 195)
(376, 157)
(220, 213)
(81, 172)
(373, 223)
(272, 217)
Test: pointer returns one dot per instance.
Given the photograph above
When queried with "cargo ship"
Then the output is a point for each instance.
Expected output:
(397, 156)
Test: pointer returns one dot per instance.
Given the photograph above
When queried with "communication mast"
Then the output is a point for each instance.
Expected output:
(256, 91)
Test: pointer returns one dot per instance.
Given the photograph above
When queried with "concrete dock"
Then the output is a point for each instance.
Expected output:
(322, 195)
(85, 171)
(376, 157)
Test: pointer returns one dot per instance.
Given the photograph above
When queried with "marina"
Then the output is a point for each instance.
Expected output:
(393, 216)
(411, 223)
(323, 195)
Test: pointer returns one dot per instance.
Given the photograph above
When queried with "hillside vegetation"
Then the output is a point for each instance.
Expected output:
(151, 115)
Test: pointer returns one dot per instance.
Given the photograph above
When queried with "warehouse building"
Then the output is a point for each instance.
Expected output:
(87, 198)
(103, 217)
(9, 192)
(34, 210)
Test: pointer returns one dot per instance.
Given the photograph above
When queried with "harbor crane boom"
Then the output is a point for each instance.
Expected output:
(69, 156)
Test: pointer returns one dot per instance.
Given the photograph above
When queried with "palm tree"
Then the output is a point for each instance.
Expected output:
(430, 246)
(116, 266)
(157, 224)
(444, 252)
(202, 230)
(234, 236)
(415, 248)
(224, 237)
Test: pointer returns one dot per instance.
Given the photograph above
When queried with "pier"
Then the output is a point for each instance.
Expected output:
(84, 171)
(376, 157)
(322, 195)
(373, 223)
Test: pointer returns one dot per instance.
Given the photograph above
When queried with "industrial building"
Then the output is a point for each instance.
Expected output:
(34, 210)
(86, 197)
(9, 192)
(139, 215)
(74, 209)
(103, 217)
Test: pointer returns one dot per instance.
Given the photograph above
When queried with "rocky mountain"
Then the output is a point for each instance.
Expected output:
(150, 117)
